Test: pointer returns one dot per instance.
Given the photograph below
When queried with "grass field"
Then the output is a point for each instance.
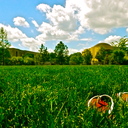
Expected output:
(57, 96)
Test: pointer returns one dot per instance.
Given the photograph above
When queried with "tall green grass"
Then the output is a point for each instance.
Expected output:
(57, 96)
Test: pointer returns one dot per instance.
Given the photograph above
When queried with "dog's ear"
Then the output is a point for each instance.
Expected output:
(123, 96)
(118, 94)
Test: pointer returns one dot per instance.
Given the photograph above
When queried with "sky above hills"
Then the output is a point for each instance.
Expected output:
(80, 24)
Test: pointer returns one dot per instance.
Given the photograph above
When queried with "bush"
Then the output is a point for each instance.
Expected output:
(28, 61)
(16, 60)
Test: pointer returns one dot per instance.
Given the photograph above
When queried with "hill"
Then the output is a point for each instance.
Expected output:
(96, 48)
(17, 52)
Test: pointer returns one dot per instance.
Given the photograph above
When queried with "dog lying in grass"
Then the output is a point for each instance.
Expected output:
(101, 103)
(123, 96)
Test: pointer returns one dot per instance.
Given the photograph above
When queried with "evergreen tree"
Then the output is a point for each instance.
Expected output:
(4, 45)
(44, 55)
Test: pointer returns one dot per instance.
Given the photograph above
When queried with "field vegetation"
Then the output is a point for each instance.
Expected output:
(57, 96)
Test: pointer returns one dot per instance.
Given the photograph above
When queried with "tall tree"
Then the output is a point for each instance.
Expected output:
(101, 54)
(52, 58)
(87, 56)
(44, 55)
(4, 45)
(61, 52)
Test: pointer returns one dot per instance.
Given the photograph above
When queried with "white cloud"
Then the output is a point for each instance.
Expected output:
(14, 34)
(71, 50)
(59, 17)
(127, 30)
(20, 21)
(111, 39)
(62, 18)
(50, 50)
(68, 22)
(50, 32)
(100, 15)
(75, 35)
(80, 30)
(86, 39)
(31, 43)
(77, 5)
(62, 24)
(43, 7)
(35, 23)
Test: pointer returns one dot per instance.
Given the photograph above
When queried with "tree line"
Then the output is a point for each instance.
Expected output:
(60, 56)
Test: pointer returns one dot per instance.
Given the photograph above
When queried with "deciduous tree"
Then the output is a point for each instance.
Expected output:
(87, 56)
(76, 58)
(122, 44)
(117, 57)
(61, 51)
(101, 54)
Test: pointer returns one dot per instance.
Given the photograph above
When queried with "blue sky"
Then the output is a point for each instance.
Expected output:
(80, 24)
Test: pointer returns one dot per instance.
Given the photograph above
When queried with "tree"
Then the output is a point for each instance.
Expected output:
(66, 60)
(87, 56)
(31, 55)
(4, 45)
(76, 58)
(101, 54)
(107, 56)
(52, 58)
(61, 52)
(120, 53)
(44, 55)
(37, 59)
(117, 57)
(122, 44)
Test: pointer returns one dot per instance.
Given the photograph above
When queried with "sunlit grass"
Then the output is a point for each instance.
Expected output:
(57, 96)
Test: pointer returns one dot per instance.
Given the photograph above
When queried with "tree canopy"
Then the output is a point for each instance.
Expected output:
(87, 56)
(61, 51)
(122, 44)
(44, 55)
(76, 59)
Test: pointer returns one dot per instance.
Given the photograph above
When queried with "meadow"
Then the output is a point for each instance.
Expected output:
(57, 96)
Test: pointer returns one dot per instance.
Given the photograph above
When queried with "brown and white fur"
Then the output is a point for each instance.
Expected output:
(123, 96)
